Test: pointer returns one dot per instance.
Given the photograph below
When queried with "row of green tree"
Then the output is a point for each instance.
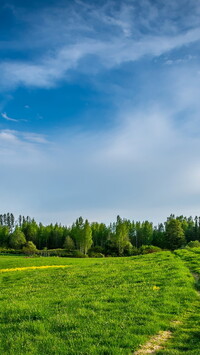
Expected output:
(122, 237)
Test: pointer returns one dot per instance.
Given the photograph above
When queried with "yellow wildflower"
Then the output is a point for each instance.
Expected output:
(34, 267)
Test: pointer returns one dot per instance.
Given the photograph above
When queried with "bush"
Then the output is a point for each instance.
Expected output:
(54, 252)
(17, 239)
(147, 249)
(8, 251)
(68, 244)
(61, 253)
(96, 255)
(194, 244)
(78, 254)
(30, 249)
(128, 249)
(135, 251)
(111, 249)
(92, 252)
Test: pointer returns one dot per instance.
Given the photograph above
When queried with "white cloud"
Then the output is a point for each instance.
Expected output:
(112, 36)
(50, 70)
(7, 118)
(20, 138)
(4, 115)
(34, 137)
(8, 136)
(142, 168)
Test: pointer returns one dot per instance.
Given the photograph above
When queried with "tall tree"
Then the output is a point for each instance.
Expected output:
(121, 235)
(86, 241)
(68, 244)
(175, 237)
(159, 238)
(147, 233)
(4, 236)
(99, 234)
(30, 230)
(77, 232)
(17, 239)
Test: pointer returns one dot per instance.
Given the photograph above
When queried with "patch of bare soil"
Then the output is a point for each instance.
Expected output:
(176, 322)
(154, 344)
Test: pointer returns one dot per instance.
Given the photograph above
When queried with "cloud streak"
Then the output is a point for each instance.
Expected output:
(112, 36)
(4, 115)
(142, 167)
(21, 138)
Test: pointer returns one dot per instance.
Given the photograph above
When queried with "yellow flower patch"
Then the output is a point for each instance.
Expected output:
(156, 288)
(34, 268)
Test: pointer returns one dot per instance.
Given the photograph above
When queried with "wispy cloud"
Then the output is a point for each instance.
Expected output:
(7, 118)
(21, 138)
(141, 168)
(7, 136)
(34, 137)
(4, 115)
(114, 35)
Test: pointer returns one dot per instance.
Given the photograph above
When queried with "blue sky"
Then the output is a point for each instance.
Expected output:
(100, 109)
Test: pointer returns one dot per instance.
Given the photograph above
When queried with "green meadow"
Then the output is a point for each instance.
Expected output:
(186, 339)
(94, 306)
(191, 256)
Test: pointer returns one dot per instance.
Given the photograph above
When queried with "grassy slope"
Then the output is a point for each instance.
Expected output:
(186, 337)
(22, 261)
(96, 306)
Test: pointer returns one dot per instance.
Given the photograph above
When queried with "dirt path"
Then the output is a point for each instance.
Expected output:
(157, 342)
(154, 344)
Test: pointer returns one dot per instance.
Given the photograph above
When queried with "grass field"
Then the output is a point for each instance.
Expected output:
(186, 338)
(191, 258)
(92, 306)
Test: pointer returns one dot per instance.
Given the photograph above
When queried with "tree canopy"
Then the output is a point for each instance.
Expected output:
(121, 237)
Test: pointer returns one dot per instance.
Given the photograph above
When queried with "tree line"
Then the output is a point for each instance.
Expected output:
(123, 237)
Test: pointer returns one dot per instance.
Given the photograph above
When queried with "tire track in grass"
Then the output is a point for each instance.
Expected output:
(154, 344)
(33, 268)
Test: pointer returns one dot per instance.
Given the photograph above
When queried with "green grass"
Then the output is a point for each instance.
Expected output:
(186, 337)
(191, 257)
(23, 261)
(96, 306)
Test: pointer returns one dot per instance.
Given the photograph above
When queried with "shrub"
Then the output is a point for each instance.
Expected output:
(54, 252)
(78, 254)
(111, 249)
(147, 249)
(68, 244)
(30, 248)
(193, 244)
(9, 251)
(96, 255)
(17, 239)
(128, 249)
(95, 250)
(61, 253)
(135, 251)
